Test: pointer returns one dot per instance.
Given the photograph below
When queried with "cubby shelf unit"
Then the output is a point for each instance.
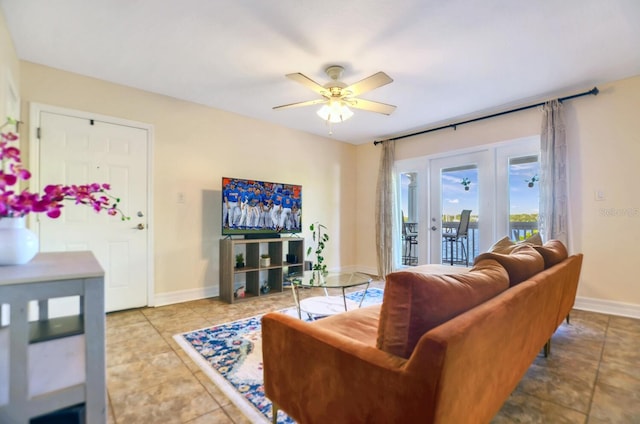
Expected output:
(252, 275)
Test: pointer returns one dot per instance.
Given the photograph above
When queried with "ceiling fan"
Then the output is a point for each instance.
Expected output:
(337, 97)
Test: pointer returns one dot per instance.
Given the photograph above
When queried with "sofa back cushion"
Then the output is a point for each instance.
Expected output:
(506, 245)
(553, 252)
(523, 262)
(416, 302)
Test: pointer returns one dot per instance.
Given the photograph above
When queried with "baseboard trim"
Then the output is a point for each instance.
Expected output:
(169, 298)
(163, 299)
(610, 307)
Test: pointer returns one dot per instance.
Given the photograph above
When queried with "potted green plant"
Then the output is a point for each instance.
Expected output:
(239, 260)
(265, 260)
(320, 239)
(466, 182)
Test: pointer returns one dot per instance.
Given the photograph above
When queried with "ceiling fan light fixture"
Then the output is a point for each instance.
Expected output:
(335, 112)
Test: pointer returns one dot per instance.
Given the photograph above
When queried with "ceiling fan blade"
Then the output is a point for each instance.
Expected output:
(377, 107)
(368, 84)
(300, 104)
(308, 82)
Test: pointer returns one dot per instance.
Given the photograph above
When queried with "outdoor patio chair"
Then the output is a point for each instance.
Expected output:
(459, 236)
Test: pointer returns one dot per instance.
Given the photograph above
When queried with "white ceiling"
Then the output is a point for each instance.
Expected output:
(449, 59)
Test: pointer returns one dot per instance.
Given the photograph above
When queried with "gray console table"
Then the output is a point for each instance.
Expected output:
(49, 276)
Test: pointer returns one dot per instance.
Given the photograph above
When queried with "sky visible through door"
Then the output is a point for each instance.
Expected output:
(523, 189)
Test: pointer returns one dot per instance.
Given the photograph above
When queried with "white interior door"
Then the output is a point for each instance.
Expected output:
(76, 150)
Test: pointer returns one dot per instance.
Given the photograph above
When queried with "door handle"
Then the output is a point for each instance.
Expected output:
(434, 228)
(140, 226)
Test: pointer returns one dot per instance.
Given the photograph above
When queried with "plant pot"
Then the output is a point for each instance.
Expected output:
(265, 262)
(466, 188)
(18, 244)
(530, 185)
(239, 264)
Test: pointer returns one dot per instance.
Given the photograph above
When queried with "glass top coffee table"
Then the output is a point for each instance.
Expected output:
(317, 306)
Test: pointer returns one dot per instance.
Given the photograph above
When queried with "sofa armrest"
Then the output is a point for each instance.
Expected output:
(316, 375)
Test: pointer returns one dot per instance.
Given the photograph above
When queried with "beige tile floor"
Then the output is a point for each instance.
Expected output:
(592, 375)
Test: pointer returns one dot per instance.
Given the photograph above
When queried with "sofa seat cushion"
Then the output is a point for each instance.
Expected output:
(359, 324)
(523, 262)
(415, 302)
(553, 252)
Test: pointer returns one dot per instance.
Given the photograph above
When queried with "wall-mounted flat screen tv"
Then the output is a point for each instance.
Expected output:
(261, 208)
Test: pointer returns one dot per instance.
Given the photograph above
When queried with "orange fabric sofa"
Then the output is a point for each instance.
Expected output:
(442, 348)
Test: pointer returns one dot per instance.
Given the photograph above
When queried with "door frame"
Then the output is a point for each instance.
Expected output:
(35, 109)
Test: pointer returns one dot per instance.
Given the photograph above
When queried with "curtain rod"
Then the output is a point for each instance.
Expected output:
(594, 91)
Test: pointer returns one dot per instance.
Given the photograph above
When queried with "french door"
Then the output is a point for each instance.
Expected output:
(498, 183)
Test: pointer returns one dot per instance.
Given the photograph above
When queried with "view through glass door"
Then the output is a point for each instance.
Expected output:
(517, 187)
(410, 218)
(459, 214)
(524, 195)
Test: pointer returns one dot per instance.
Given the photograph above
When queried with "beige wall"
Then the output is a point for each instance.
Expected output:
(194, 147)
(9, 68)
(604, 147)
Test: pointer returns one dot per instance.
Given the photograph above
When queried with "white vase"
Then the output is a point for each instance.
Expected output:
(18, 244)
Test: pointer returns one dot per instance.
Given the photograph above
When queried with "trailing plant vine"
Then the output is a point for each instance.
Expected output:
(320, 239)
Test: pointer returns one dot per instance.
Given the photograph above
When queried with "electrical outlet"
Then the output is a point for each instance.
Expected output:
(599, 195)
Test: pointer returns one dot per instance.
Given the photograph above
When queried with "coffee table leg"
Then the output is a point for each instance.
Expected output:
(296, 299)
(344, 298)
(363, 295)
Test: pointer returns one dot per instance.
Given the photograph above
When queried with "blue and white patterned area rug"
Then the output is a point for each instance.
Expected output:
(231, 356)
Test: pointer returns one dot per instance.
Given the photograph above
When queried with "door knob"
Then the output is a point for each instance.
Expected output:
(434, 228)
(140, 226)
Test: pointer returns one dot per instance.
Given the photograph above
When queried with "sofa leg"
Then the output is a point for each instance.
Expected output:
(568, 315)
(274, 413)
(547, 348)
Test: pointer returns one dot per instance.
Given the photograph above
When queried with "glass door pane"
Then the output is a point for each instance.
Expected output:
(409, 205)
(459, 193)
(524, 195)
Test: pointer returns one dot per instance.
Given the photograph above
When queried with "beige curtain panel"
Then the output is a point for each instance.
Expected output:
(385, 209)
(554, 205)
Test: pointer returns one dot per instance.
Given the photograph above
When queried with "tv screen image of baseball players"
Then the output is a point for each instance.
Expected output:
(254, 207)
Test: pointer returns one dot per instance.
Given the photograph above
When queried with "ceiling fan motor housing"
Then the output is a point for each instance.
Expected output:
(334, 72)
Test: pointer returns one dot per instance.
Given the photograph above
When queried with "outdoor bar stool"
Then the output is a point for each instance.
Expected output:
(459, 236)
(410, 238)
